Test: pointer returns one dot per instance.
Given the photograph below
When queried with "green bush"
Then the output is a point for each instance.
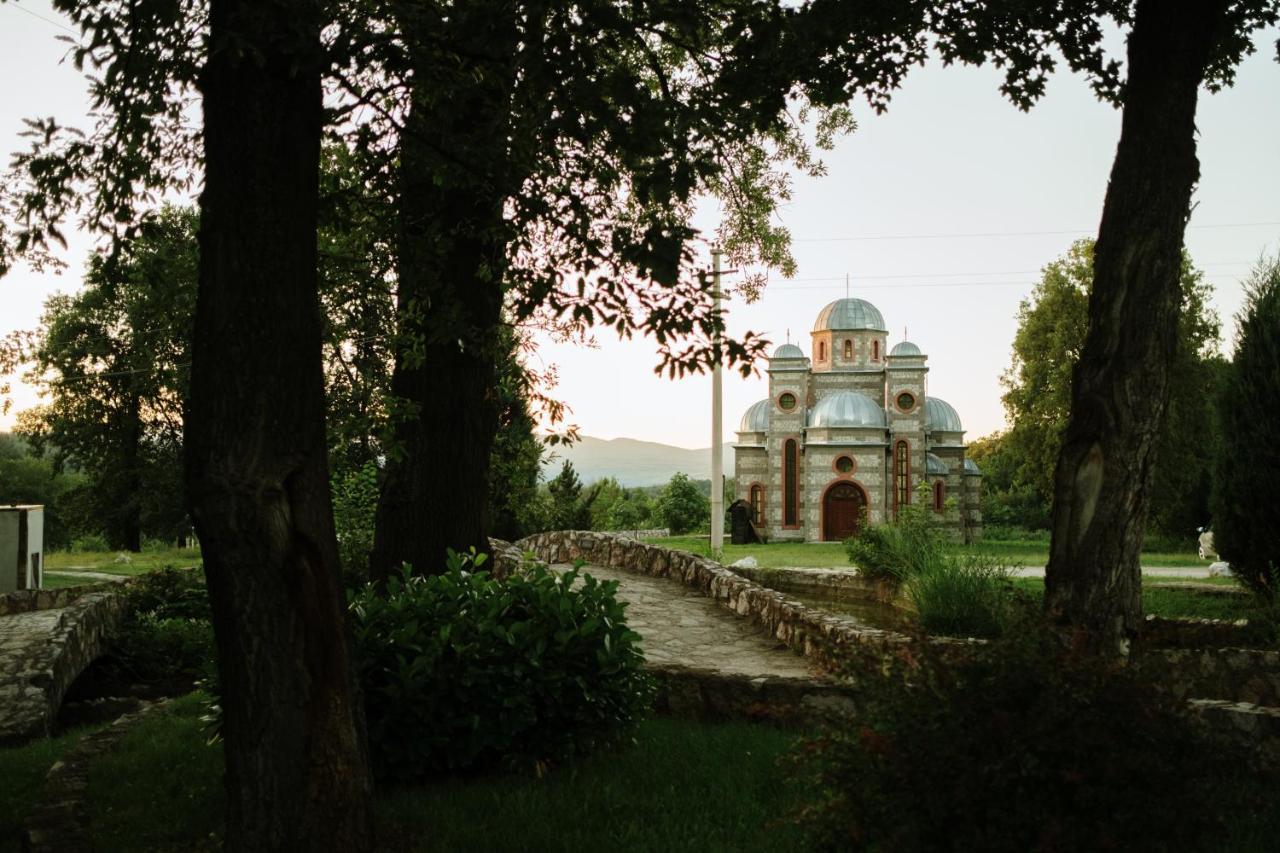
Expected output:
(1021, 749)
(168, 635)
(89, 542)
(462, 671)
(355, 505)
(1246, 520)
(910, 545)
(966, 595)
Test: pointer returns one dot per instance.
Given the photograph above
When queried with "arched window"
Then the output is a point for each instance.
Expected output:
(901, 475)
(939, 496)
(848, 350)
(790, 485)
(822, 350)
(757, 503)
(875, 350)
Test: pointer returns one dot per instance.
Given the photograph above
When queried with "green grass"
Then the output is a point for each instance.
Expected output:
(105, 561)
(826, 555)
(1172, 602)
(22, 772)
(679, 786)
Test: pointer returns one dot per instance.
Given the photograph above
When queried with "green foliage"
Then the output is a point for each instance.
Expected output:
(682, 506)
(355, 504)
(1022, 748)
(461, 671)
(113, 360)
(909, 545)
(29, 479)
(964, 595)
(1246, 518)
(88, 543)
(1052, 322)
(168, 636)
(516, 509)
(569, 508)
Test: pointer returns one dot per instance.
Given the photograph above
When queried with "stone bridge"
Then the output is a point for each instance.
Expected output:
(47, 638)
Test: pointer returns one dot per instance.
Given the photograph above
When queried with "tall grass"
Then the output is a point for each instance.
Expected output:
(966, 594)
(954, 592)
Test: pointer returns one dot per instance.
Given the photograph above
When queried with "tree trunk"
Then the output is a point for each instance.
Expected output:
(1120, 386)
(451, 260)
(131, 476)
(297, 772)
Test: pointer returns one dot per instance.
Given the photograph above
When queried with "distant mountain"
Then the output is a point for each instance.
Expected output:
(634, 462)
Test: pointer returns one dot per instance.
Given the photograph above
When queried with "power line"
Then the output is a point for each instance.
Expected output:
(986, 234)
(58, 24)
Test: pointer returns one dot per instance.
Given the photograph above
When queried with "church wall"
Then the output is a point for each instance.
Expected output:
(820, 474)
(868, 382)
(973, 507)
(866, 350)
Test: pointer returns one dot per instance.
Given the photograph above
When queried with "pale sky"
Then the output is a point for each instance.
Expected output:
(937, 212)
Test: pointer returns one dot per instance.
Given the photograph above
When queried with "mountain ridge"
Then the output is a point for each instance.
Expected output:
(633, 461)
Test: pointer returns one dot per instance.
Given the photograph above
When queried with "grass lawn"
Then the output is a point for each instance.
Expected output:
(680, 786)
(105, 561)
(22, 772)
(1174, 602)
(825, 555)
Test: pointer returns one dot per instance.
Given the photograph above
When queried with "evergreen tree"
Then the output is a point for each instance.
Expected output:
(570, 508)
(1246, 519)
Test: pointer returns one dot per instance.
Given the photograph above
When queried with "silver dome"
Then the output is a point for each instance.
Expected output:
(848, 314)
(941, 416)
(971, 467)
(934, 465)
(788, 351)
(756, 418)
(905, 348)
(846, 409)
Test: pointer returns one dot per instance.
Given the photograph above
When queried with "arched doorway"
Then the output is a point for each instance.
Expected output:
(842, 510)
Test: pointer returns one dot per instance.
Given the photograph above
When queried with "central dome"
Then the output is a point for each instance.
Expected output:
(846, 409)
(849, 314)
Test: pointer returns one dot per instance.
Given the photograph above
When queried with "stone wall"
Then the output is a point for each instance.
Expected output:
(817, 634)
(27, 600)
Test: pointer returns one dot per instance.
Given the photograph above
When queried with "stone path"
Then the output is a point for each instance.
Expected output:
(681, 626)
(86, 575)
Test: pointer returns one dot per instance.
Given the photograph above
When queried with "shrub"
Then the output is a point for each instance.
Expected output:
(965, 595)
(910, 545)
(462, 671)
(1020, 749)
(682, 507)
(355, 505)
(168, 635)
(1246, 522)
(89, 542)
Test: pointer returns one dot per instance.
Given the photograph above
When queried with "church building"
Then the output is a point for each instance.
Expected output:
(848, 434)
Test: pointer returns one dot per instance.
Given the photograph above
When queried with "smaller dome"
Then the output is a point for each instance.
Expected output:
(756, 418)
(971, 467)
(849, 315)
(846, 409)
(905, 348)
(788, 351)
(941, 416)
(934, 465)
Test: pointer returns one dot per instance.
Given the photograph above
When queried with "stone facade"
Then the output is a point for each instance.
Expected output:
(849, 433)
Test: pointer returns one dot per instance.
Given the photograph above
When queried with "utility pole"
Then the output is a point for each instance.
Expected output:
(717, 421)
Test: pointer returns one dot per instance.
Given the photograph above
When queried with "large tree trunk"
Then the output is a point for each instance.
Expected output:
(451, 260)
(297, 772)
(1119, 389)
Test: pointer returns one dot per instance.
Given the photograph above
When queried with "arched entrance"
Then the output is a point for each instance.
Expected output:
(842, 510)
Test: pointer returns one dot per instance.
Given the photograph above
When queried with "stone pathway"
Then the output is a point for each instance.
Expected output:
(86, 575)
(682, 627)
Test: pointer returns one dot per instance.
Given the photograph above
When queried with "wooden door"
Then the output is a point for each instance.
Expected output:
(842, 510)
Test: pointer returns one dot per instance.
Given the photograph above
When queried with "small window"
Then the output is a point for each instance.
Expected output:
(875, 350)
(844, 465)
(901, 475)
(757, 504)
(848, 350)
(939, 496)
(822, 350)
(787, 402)
(906, 401)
